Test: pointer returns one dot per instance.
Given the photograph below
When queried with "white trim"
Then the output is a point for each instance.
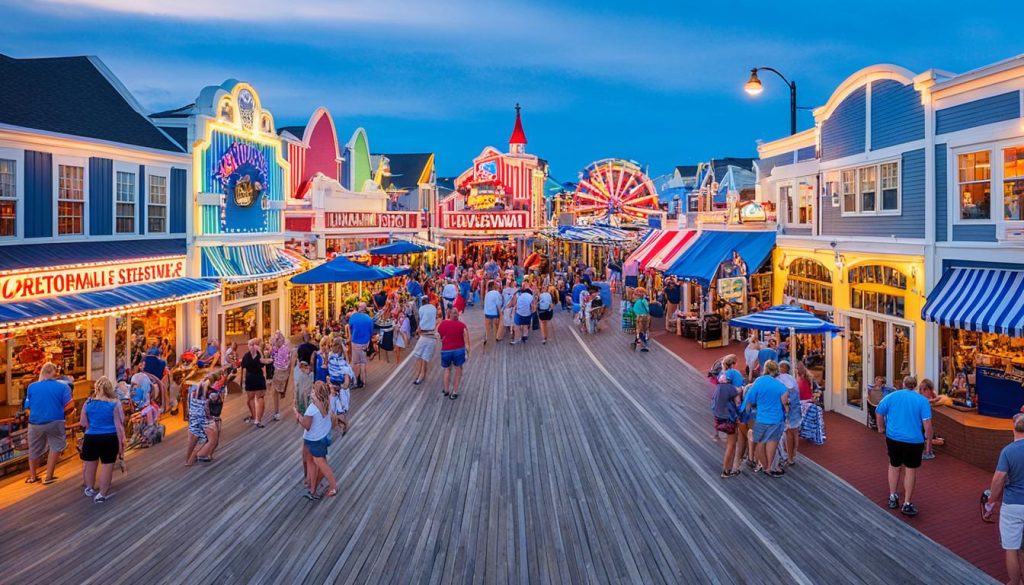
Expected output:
(858, 200)
(55, 142)
(854, 82)
(954, 156)
(164, 172)
(69, 161)
(123, 167)
(792, 143)
(18, 156)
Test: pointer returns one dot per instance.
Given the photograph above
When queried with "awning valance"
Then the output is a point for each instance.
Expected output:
(702, 258)
(978, 299)
(658, 245)
(249, 262)
(124, 298)
(591, 234)
(785, 317)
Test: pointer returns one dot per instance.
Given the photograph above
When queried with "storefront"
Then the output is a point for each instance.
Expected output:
(94, 313)
(876, 299)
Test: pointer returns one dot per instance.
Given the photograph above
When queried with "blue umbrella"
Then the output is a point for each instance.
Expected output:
(397, 248)
(392, 271)
(341, 269)
(785, 317)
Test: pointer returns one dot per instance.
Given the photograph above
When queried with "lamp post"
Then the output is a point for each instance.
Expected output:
(754, 87)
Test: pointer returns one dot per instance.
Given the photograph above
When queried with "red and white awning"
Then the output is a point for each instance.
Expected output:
(658, 247)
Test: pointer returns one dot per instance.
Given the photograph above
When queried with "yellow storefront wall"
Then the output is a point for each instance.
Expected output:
(911, 266)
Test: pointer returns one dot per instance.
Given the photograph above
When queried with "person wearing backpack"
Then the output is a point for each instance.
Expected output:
(642, 311)
(725, 407)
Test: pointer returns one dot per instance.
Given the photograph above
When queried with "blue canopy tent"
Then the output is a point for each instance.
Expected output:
(393, 271)
(789, 317)
(398, 248)
(593, 234)
(340, 269)
(702, 258)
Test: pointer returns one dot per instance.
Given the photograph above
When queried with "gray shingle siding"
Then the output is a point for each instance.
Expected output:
(974, 233)
(910, 222)
(978, 113)
(897, 115)
(806, 153)
(843, 134)
(941, 195)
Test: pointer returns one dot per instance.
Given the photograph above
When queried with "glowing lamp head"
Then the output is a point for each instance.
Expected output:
(753, 85)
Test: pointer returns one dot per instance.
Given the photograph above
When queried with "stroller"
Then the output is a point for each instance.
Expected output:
(592, 313)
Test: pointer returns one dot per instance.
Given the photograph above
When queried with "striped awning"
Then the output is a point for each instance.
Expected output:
(670, 253)
(978, 299)
(661, 244)
(591, 234)
(249, 262)
(784, 317)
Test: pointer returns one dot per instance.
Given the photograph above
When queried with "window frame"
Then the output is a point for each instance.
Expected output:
(1002, 184)
(878, 198)
(133, 170)
(994, 203)
(70, 161)
(18, 156)
(165, 173)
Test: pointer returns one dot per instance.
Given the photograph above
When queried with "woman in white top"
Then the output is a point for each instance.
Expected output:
(750, 356)
(546, 310)
(317, 422)
(524, 304)
(509, 312)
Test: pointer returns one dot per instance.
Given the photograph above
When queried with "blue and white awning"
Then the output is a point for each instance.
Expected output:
(978, 299)
(592, 234)
(249, 262)
(123, 298)
(784, 317)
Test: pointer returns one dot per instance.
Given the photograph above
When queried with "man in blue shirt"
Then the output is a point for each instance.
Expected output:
(577, 290)
(415, 288)
(47, 402)
(768, 353)
(906, 419)
(673, 294)
(768, 396)
(360, 331)
(1008, 482)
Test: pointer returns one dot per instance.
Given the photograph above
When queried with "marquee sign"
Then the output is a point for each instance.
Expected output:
(355, 219)
(242, 172)
(484, 221)
(47, 283)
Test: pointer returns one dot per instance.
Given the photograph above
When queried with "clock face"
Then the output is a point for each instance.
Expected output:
(245, 99)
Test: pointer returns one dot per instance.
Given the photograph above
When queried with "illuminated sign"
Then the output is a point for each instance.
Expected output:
(752, 211)
(487, 171)
(242, 172)
(354, 219)
(731, 289)
(47, 283)
(498, 220)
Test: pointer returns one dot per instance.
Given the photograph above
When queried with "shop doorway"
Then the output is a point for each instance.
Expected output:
(240, 324)
(874, 347)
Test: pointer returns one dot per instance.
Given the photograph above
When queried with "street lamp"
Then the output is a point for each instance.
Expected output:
(753, 87)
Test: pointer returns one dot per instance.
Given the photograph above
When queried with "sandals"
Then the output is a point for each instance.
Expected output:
(445, 392)
(31, 480)
(733, 473)
(311, 496)
(50, 480)
(417, 382)
(331, 493)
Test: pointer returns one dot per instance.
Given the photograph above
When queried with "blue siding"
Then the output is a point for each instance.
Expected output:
(910, 222)
(974, 233)
(897, 115)
(796, 231)
(806, 153)
(178, 200)
(843, 134)
(978, 113)
(142, 198)
(765, 165)
(38, 194)
(101, 196)
(941, 195)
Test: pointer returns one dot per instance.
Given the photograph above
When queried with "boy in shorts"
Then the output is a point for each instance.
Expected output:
(340, 376)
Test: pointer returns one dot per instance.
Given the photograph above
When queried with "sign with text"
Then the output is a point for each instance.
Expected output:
(732, 289)
(47, 283)
(397, 220)
(484, 221)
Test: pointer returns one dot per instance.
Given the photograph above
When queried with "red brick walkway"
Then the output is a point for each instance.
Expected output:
(947, 488)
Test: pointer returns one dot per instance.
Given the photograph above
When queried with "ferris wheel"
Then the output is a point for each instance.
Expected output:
(615, 191)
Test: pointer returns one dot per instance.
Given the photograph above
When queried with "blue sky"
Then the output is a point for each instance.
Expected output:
(657, 82)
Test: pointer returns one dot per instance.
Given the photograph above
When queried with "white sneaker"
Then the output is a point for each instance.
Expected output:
(90, 493)
(277, 416)
(100, 498)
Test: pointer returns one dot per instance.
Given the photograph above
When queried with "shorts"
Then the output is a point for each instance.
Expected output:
(424, 349)
(545, 315)
(631, 281)
(46, 437)
(197, 427)
(904, 454)
(280, 380)
(725, 420)
(490, 317)
(794, 419)
(318, 448)
(453, 357)
(523, 319)
(359, 354)
(344, 399)
(764, 433)
(1011, 526)
(575, 308)
(508, 317)
(104, 447)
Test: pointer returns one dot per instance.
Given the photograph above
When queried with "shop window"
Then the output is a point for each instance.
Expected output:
(270, 287)
(890, 186)
(871, 190)
(848, 185)
(878, 289)
(809, 281)
(8, 197)
(974, 174)
(124, 199)
(868, 189)
(876, 274)
(70, 200)
(156, 210)
(1013, 183)
(240, 292)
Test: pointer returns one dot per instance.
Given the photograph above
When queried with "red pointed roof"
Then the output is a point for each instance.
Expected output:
(518, 136)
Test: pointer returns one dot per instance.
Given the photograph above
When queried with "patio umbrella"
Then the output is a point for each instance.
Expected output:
(398, 248)
(785, 317)
(392, 271)
(340, 269)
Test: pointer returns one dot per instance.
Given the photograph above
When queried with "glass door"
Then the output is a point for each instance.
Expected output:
(853, 392)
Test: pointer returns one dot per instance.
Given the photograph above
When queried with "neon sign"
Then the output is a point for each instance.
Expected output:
(242, 172)
(506, 220)
(48, 283)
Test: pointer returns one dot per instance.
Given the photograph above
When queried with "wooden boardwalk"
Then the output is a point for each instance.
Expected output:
(575, 462)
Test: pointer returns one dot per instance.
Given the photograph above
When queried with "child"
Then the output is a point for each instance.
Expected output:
(340, 373)
(198, 397)
(402, 336)
(339, 406)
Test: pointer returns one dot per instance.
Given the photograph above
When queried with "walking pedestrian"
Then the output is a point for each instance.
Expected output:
(317, 422)
(253, 380)
(303, 380)
(673, 294)
(492, 313)
(360, 333)
(448, 294)
(508, 313)
(768, 395)
(454, 351)
(198, 431)
(794, 416)
(281, 356)
(1008, 487)
(341, 376)
(103, 444)
(725, 407)
(523, 304)
(546, 310)
(214, 409)
(402, 332)
(426, 341)
(642, 314)
(48, 401)
(750, 357)
(906, 419)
